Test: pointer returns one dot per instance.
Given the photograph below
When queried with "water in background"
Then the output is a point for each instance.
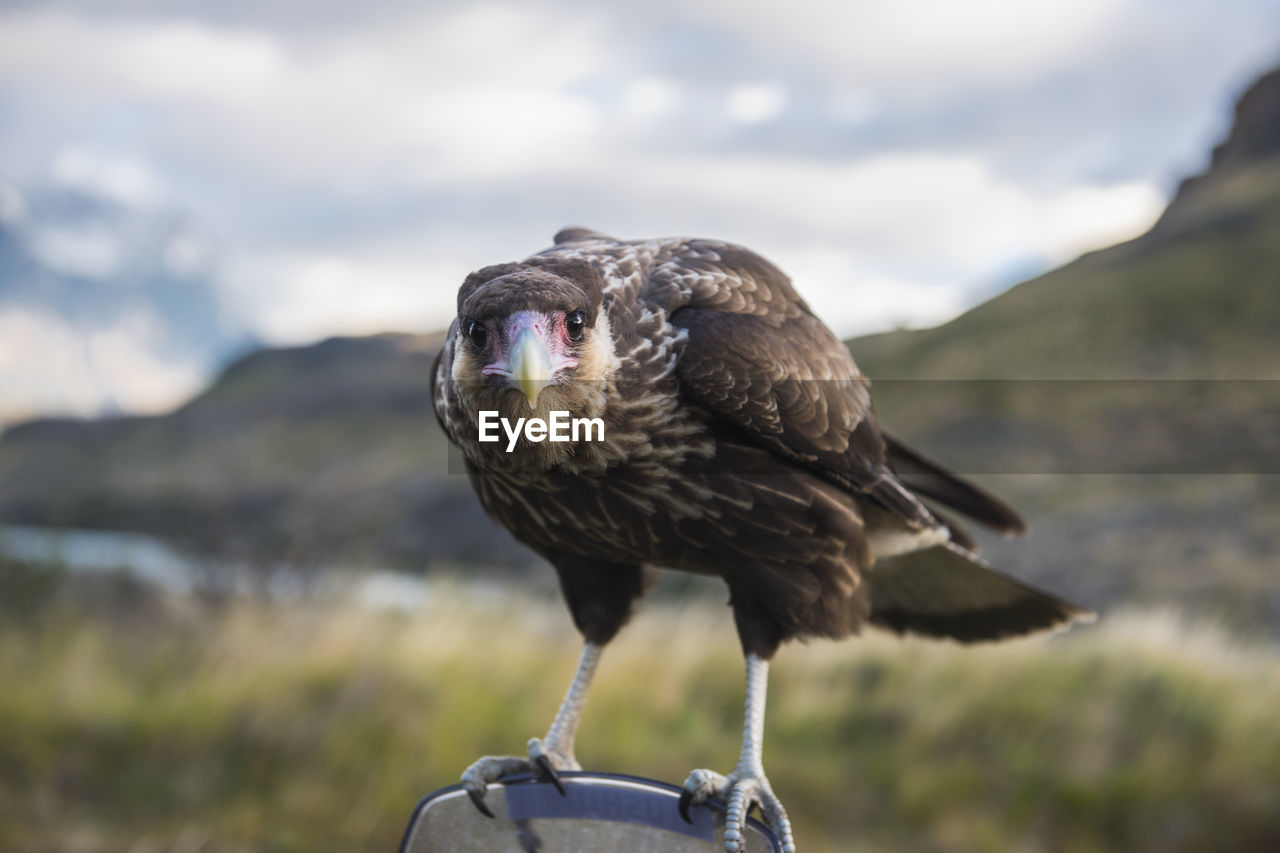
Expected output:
(149, 559)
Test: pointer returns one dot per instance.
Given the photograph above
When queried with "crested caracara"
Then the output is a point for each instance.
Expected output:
(738, 440)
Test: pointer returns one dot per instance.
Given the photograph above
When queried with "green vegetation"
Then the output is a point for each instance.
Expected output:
(133, 722)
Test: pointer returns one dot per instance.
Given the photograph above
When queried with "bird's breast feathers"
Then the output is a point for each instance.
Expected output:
(696, 342)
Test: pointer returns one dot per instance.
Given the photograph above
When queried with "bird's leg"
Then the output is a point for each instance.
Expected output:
(746, 786)
(546, 755)
(555, 751)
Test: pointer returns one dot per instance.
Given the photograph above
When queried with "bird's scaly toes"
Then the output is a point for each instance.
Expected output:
(545, 762)
(741, 790)
(490, 768)
(548, 760)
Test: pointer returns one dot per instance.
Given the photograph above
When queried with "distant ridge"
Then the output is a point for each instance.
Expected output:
(1197, 296)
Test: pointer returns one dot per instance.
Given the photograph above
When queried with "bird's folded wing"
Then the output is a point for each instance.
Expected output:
(757, 358)
(933, 481)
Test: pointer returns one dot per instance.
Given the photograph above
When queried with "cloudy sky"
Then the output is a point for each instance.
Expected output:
(338, 167)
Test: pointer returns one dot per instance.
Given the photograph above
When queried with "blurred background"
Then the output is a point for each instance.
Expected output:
(242, 595)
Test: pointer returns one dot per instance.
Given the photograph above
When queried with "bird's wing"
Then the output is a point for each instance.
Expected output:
(757, 359)
(933, 481)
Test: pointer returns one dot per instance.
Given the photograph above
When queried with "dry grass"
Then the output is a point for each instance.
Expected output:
(173, 726)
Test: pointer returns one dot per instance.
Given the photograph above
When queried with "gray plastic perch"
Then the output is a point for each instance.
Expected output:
(598, 812)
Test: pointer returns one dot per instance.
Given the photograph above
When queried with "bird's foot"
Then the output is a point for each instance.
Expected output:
(741, 790)
(545, 761)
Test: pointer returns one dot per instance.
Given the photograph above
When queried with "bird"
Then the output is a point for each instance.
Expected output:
(739, 440)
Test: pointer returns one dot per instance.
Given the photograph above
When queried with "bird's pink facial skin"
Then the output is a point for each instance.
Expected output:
(549, 330)
(530, 366)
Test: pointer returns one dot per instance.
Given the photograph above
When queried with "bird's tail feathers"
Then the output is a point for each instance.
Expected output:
(946, 591)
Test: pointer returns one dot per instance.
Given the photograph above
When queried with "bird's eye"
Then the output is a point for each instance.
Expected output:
(573, 324)
(477, 333)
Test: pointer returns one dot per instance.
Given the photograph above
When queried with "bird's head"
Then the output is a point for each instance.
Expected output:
(532, 338)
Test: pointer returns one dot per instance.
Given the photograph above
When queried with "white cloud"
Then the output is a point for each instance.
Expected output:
(647, 98)
(1092, 217)
(355, 173)
(13, 207)
(852, 106)
(300, 295)
(46, 365)
(42, 367)
(911, 235)
(97, 58)
(921, 41)
(187, 253)
(122, 178)
(854, 298)
(477, 90)
(756, 103)
(134, 361)
(917, 232)
(90, 250)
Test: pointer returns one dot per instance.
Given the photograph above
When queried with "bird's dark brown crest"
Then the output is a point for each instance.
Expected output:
(538, 284)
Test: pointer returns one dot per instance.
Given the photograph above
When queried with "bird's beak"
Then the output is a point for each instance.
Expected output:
(530, 365)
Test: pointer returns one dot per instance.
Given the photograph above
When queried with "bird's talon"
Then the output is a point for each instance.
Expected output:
(685, 799)
(548, 773)
(487, 770)
(478, 801)
(742, 790)
(546, 763)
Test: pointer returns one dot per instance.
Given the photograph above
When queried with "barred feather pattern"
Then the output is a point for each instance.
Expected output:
(739, 441)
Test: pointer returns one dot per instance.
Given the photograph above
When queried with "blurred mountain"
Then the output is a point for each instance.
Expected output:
(105, 306)
(1198, 296)
(1125, 401)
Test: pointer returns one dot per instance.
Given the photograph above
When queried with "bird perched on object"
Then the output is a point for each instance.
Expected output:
(739, 440)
